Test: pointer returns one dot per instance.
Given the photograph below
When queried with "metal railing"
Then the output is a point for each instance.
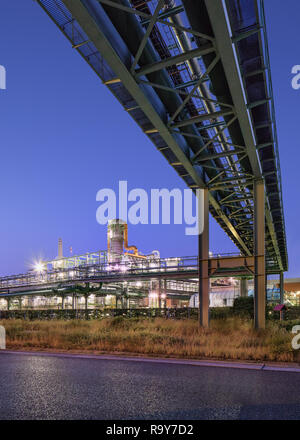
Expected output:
(118, 271)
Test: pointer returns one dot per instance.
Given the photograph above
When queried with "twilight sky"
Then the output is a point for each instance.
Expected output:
(64, 137)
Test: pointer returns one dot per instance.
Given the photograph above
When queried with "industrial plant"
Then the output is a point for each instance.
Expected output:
(123, 277)
(196, 79)
(185, 92)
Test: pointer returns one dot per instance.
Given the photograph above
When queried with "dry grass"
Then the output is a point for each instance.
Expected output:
(230, 339)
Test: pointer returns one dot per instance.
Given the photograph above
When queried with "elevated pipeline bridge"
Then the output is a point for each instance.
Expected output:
(196, 78)
(183, 269)
(80, 277)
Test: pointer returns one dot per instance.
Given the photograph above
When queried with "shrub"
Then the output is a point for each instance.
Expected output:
(220, 312)
(244, 307)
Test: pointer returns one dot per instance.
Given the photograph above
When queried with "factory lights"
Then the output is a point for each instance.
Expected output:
(153, 295)
(39, 267)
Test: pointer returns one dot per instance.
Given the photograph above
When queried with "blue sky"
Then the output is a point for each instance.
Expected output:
(64, 137)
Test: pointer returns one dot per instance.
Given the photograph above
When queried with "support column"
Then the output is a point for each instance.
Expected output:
(62, 302)
(98, 301)
(73, 301)
(125, 298)
(86, 297)
(281, 288)
(20, 303)
(259, 254)
(8, 303)
(203, 311)
(244, 287)
(159, 294)
(31, 302)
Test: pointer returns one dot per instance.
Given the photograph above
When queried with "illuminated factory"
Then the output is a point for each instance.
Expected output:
(119, 277)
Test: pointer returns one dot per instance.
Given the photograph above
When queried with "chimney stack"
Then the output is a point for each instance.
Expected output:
(60, 248)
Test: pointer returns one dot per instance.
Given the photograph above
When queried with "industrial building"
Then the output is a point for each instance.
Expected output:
(118, 277)
(123, 277)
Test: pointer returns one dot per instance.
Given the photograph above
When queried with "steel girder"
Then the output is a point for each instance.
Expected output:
(148, 91)
(219, 21)
(103, 45)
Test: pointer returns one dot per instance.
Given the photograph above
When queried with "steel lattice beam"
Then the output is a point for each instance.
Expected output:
(204, 167)
(226, 50)
(80, 13)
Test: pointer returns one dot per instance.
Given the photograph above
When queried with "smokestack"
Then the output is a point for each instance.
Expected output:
(60, 248)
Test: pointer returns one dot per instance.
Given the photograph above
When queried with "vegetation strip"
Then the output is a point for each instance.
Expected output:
(229, 339)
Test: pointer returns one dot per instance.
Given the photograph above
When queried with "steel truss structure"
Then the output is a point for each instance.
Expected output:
(163, 268)
(195, 76)
(93, 274)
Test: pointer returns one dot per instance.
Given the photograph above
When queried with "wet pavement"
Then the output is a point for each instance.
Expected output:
(58, 387)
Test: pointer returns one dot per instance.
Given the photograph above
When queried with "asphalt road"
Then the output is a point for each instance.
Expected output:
(50, 387)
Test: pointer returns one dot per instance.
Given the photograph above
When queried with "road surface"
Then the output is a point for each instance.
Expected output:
(58, 387)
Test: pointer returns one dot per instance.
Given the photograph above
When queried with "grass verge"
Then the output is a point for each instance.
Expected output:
(233, 339)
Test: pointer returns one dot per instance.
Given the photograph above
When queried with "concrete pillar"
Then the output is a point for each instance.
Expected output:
(281, 287)
(31, 302)
(120, 301)
(86, 298)
(203, 312)
(98, 301)
(73, 301)
(259, 254)
(20, 303)
(159, 294)
(244, 287)
(124, 297)
(62, 302)
(8, 303)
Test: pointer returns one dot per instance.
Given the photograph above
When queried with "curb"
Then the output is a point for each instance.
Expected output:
(197, 363)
